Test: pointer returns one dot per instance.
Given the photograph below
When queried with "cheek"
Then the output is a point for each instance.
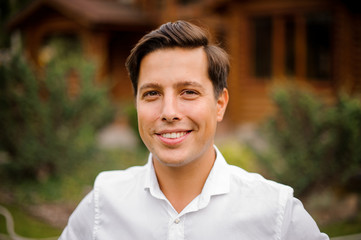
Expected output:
(146, 116)
(203, 114)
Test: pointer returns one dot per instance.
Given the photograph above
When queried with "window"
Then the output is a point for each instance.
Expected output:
(318, 27)
(186, 2)
(290, 46)
(312, 34)
(262, 46)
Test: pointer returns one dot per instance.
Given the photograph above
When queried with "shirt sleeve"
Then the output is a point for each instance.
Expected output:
(298, 224)
(81, 222)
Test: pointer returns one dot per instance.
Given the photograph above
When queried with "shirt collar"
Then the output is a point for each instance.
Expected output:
(217, 183)
(151, 181)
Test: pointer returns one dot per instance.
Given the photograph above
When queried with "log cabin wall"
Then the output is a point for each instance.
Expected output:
(315, 43)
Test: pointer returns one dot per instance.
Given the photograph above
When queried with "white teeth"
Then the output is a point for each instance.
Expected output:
(174, 135)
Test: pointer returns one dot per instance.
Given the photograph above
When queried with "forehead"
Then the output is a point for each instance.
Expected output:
(173, 63)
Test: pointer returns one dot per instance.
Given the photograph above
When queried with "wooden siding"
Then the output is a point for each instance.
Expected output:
(109, 41)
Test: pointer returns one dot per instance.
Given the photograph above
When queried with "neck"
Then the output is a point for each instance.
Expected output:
(182, 184)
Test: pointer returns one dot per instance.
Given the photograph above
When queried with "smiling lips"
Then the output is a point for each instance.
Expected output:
(172, 138)
(173, 135)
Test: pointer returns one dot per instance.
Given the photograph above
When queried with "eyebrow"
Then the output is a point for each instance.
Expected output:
(189, 83)
(178, 85)
(149, 85)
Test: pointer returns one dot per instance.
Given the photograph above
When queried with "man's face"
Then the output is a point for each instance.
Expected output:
(176, 105)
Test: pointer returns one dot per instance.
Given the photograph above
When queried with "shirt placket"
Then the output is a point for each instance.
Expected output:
(176, 228)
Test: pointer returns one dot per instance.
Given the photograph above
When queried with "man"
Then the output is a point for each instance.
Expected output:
(187, 190)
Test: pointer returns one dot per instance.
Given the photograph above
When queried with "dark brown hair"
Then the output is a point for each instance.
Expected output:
(184, 35)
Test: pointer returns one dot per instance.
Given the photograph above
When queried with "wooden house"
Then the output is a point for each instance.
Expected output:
(104, 30)
(313, 43)
(316, 43)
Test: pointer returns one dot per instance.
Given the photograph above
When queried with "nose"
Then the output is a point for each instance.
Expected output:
(170, 111)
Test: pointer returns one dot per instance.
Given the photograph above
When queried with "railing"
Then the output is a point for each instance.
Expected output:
(9, 221)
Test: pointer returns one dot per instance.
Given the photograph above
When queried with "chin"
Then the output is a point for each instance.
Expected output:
(170, 161)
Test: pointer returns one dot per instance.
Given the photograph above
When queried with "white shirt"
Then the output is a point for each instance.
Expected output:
(233, 204)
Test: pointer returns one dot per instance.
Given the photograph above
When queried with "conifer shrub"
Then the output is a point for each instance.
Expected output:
(48, 127)
(311, 144)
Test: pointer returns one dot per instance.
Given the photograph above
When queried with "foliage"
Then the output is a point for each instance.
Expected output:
(238, 155)
(46, 127)
(345, 228)
(310, 143)
(73, 186)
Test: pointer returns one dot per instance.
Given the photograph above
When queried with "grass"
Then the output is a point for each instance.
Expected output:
(343, 228)
(28, 226)
(2, 225)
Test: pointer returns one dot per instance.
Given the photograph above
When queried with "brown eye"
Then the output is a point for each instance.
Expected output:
(190, 94)
(150, 95)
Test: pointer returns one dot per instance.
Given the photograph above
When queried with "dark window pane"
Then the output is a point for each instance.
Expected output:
(318, 46)
(186, 2)
(262, 46)
(290, 46)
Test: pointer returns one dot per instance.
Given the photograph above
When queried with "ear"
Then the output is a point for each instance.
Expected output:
(222, 102)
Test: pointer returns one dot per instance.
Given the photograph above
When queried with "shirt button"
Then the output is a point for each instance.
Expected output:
(177, 221)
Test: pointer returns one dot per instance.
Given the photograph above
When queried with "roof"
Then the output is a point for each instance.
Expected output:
(86, 12)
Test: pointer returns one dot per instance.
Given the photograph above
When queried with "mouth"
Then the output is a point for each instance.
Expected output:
(172, 138)
(174, 135)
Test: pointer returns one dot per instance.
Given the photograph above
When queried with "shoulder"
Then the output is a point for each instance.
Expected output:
(265, 199)
(255, 184)
(118, 183)
(255, 179)
(272, 200)
(119, 176)
(109, 189)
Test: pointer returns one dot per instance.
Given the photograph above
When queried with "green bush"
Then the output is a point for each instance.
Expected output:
(238, 155)
(44, 129)
(311, 144)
